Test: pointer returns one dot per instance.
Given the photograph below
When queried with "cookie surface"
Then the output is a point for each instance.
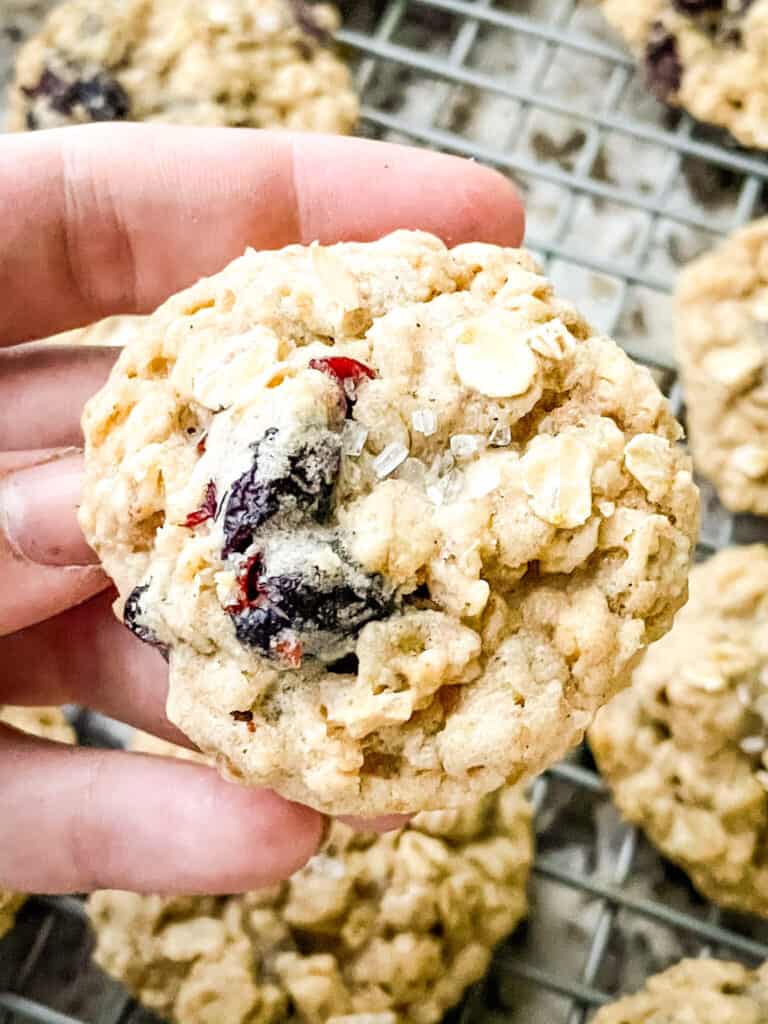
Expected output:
(50, 724)
(246, 63)
(708, 56)
(399, 518)
(700, 991)
(374, 930)
(684, 748)
(722, 327)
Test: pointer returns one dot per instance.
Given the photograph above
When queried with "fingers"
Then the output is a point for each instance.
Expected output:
(129, 821)
(43, 390)
(84, 229)
(45, 564)
(86, 656)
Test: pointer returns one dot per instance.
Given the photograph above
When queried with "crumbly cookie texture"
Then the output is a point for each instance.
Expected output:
(374, 930)
(684, 749)
(722, 339)
(247, 63)
(708, 56)
(695, 992)
(51, 724)
(398, 517)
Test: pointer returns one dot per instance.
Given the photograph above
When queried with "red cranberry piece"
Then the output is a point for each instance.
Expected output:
(290, 652)
(250, 590)
(206, 511)
(201, 444)
(348, 374)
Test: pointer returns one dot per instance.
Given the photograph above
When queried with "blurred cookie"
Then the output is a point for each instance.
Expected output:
(708, 56)
(722, 339)
(399, 517)
(247, 63)
(684, 748)
(695, 992)
(51, 724)
(374, 930)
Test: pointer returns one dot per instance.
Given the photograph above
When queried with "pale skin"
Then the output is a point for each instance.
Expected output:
(113, 219)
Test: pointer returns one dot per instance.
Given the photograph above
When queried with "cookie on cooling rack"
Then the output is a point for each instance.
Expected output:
(255, 63)
(708, 56)
(684, 748)
(399, 518)
(700, 991)
(374, 930)
(722, 338)
(51, 724)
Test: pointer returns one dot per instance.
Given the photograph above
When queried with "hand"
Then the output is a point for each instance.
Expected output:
(110, 219)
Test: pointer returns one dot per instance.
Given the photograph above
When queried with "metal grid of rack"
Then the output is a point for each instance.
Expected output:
(619, 192)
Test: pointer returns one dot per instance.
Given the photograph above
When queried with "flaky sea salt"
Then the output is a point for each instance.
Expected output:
(424, 421)
(353, 437)
(464, 446)
(329, 867)
(413, 471)
(446, 489)
(500, 436)
(752, 744)
(389, 459)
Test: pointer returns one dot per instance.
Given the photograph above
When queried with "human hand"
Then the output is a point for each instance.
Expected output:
(112, 219)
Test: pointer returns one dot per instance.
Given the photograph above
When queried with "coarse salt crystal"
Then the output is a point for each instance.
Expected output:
(464, 446)
(424, 421)
(446, 489)
(500, 436)
(762, 778)
(389, 459)
(744, 694)
(753, 744)
(353, 437)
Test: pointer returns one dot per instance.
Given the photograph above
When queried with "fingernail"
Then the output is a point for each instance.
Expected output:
(38, 512)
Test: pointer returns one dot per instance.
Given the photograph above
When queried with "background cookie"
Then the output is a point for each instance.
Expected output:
(249, 63)
(700, 991)
(51, 724)
(684, 748)
(722, 327)
(395, 572)
(709, 57)
(390, 928)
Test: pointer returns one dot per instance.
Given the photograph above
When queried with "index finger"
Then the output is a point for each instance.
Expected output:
(104, 219)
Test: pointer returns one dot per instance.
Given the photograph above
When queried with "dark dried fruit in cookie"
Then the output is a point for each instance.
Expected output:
(347, 372)
(132, 615)
(306, 486)
(662, 62)
(207, 510)
(694, 7)
(101, 97)
(296, 608)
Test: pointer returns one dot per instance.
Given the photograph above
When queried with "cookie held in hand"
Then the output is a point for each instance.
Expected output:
(400, 520)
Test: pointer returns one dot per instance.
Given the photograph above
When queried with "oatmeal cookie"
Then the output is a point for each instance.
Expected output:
(374, 930)
(700, 991)
(722, 339)
(51, 724)
(398, 517)
(253, 63)
(684, 749)
(708, 56)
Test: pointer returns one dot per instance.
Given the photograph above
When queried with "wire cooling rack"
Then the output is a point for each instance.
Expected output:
(619, 193)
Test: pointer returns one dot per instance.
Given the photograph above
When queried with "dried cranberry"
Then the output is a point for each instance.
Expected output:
(694, 7)
(201, 444)
(299, 608)
(132, 615)
(307, 487)
(290, 652)
(101, 96)
(663, 67)
(241, 716)
(250, 592)
(348, 374)
(207, 510)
